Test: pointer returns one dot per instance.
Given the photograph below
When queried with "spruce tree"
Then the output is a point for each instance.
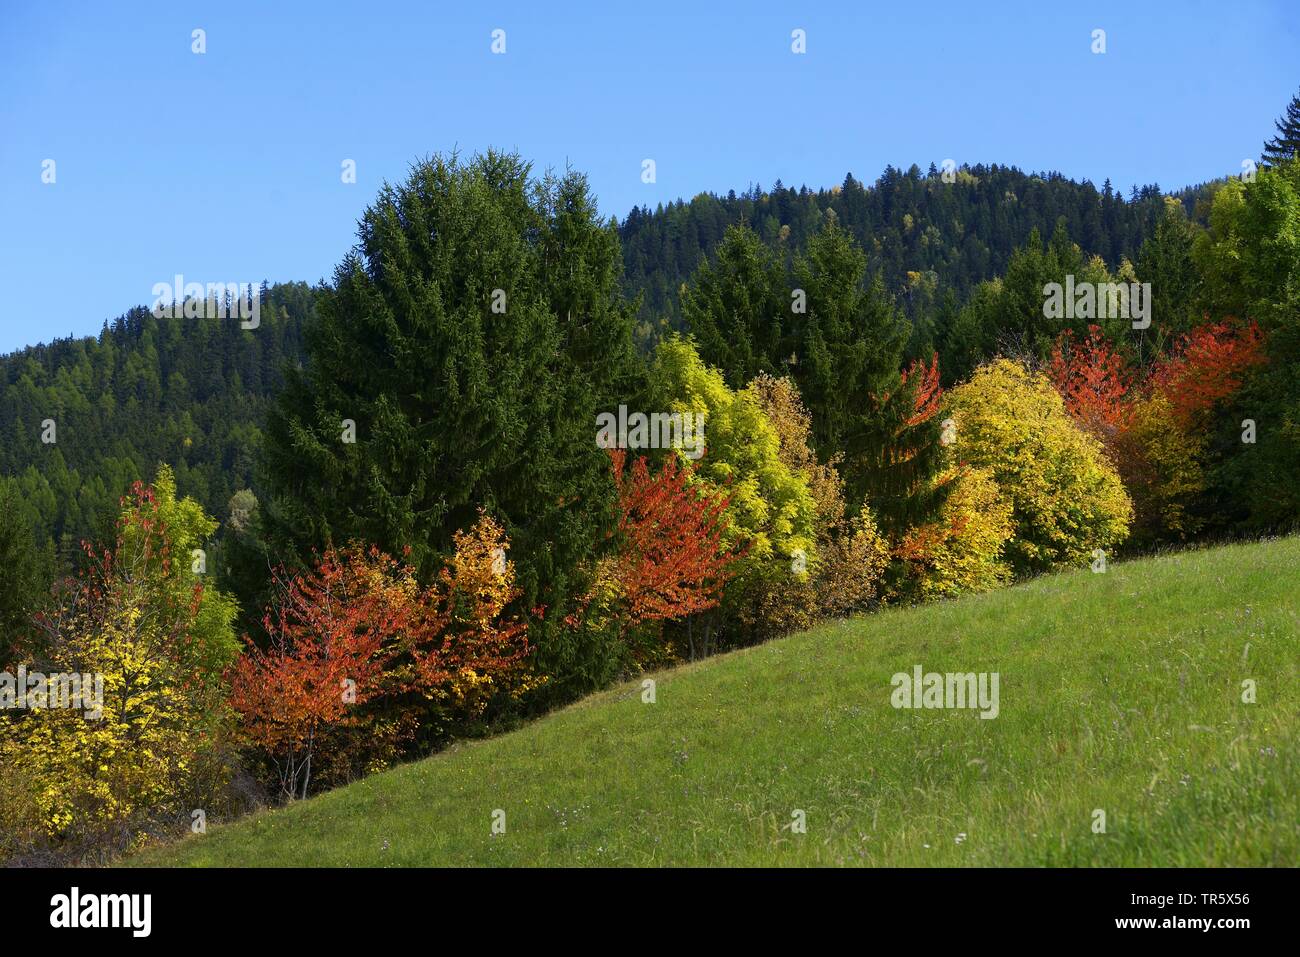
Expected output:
(1286, 144)
(849, 345)
(470, 339)
(738, 308)
(1165, 261)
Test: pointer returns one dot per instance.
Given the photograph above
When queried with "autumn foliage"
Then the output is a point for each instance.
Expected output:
(1093, 380)
(673, 560)
(1151, 425)
(1206, 365)
(357, 630)
(334, 630)
(929, 395)
(139, 619)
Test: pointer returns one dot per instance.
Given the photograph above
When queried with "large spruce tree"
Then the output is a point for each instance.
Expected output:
(738, 308)
(471, 335)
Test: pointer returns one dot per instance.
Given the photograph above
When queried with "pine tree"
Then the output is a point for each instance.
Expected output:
(1286, 144)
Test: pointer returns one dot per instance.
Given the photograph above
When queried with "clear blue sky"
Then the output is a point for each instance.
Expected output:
(226, 166)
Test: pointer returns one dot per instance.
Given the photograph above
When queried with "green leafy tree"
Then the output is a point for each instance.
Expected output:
(184, 568)
(771, 513)
(1165, 262)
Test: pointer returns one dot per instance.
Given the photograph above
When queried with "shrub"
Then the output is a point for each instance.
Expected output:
(672, 561)
(1163, 467)
(962, 552)
(361, 658)
(770, 512)
(843, 575)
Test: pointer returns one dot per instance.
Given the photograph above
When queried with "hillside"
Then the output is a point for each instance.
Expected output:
(1119, 691)
(195, 393)
(925, 237)
(189, 392)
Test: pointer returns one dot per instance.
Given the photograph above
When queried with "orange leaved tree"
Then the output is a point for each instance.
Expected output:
(1206, 365)
(334, 630)
(355, 640)
(1094, 382)
(673, 560)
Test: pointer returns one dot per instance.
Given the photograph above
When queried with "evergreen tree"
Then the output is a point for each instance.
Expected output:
(1166, 263)
(470, 338)
(1286, 144)
(582, 272)
(848, 364)
(738, 308)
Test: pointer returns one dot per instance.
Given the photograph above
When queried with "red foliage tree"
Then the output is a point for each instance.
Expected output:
(1206, 365)
(929, 395)
(1094, 381)
(333, 633)
(357, 629)
(673, 561)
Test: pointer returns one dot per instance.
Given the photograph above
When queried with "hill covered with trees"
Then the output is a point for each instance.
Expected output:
(189, 392)
(925, 234)
(399, 491)
(195, 393)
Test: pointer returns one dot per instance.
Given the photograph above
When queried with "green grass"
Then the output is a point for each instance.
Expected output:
(1120, 691)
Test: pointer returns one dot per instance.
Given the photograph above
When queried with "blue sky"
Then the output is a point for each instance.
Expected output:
(226, 166)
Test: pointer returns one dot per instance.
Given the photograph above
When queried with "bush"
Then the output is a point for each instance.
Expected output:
(843, 575)
(771, 512)
(1162, 465)
(362, 659)
(962, 552)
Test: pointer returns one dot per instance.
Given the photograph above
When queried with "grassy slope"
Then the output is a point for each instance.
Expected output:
(1119, 691)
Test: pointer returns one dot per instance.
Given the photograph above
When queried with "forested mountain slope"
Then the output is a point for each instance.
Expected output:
(908, 221)
(189, 392)
(194, 393)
